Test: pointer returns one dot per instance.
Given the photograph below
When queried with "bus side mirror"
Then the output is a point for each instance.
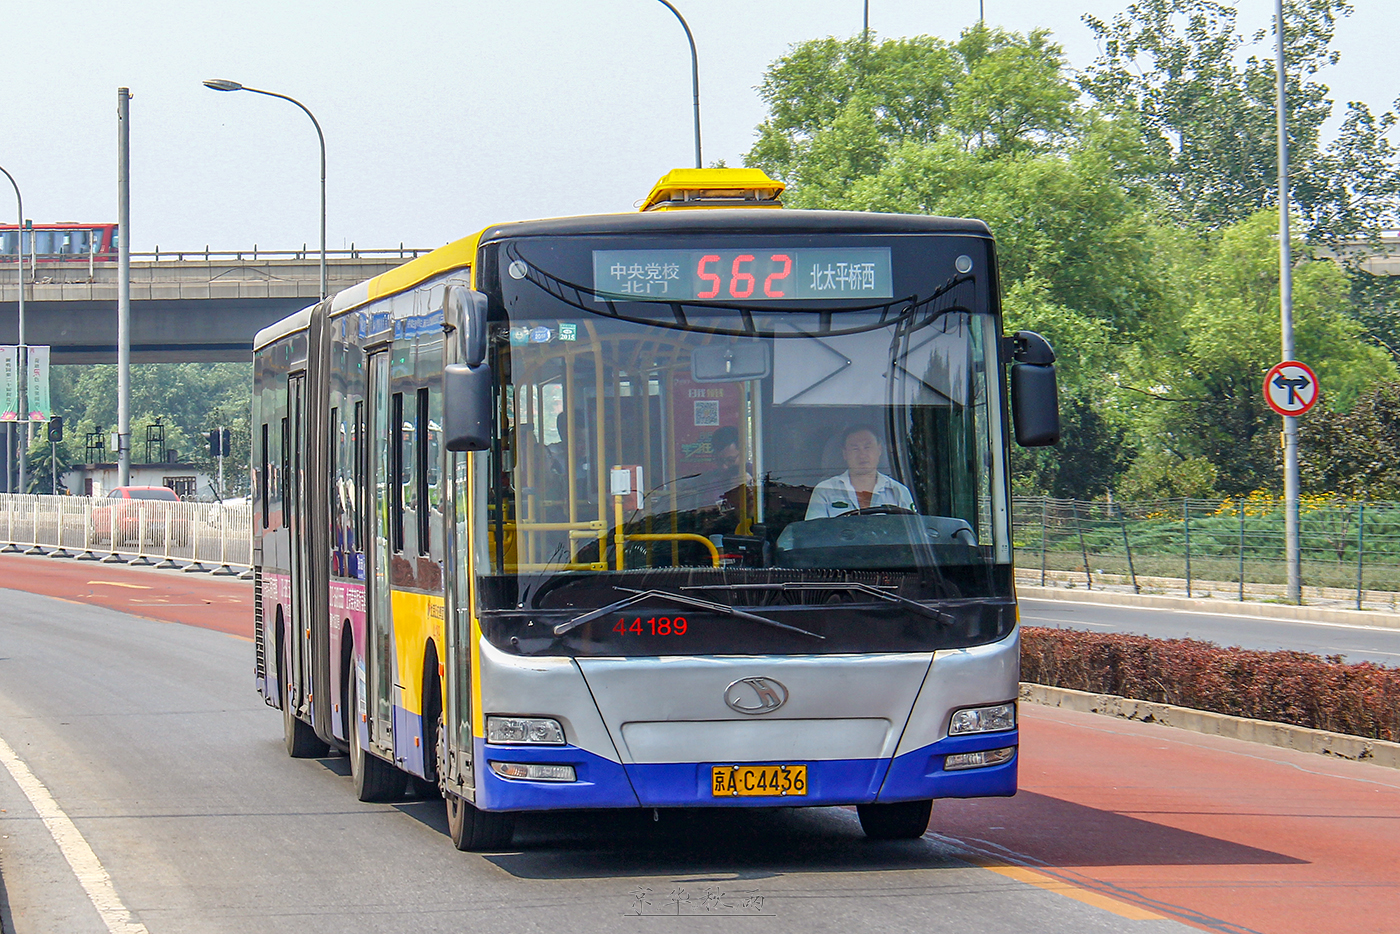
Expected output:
(1035, 396)
(465, 310)
(466, 407)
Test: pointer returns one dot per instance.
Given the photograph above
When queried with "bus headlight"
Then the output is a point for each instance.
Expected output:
(992, 719)
(521, 731)
(534, 772)
(975, 760)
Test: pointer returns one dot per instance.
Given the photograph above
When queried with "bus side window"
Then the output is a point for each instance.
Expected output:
(284, 475)
(420, 425)
(396, 471)
(435, 487)
(337, 498)
(265, 488)
(359, 497)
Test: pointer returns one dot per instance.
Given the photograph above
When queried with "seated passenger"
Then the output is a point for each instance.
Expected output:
(725, 485)
(862, 485)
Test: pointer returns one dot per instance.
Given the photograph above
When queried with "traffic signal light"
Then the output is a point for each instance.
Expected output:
(220, 442)
(56, 428)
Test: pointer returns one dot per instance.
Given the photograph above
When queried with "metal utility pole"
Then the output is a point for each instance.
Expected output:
(1285, 294)
(19, 362)
(123, 288)
(222, 452)
(221, 84)
(694, 76)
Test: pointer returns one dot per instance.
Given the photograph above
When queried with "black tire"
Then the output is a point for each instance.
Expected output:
(905, 820)
(471, 829)
(373, 778)
(302, 741)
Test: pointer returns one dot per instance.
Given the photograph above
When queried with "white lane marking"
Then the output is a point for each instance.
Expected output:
(1168, 609)
(90, 872)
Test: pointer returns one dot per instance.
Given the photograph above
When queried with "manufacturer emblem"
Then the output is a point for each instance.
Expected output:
(755, 696)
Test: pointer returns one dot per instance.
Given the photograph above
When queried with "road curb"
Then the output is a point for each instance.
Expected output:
(1311, 614)
(1283, 735)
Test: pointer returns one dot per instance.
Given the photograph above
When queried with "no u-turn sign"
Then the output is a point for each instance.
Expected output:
(1290, 388)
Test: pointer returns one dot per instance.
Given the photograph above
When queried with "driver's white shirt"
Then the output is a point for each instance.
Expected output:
(837, 495)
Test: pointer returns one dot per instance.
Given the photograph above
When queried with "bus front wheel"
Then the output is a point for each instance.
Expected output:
(472, 829)
(904, 820)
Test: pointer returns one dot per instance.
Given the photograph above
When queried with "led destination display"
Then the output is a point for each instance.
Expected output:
(746, 275)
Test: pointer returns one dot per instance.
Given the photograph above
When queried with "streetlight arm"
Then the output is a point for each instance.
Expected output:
(320, 137)
(694, 75)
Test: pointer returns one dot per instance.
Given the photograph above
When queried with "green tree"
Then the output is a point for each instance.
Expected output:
(1354, 453)
(1171, 67)
(39, 462)
(189, 400)
(839, 109)
(1204, 397)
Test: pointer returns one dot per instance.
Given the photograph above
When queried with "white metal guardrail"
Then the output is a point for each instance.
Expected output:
(209, 537)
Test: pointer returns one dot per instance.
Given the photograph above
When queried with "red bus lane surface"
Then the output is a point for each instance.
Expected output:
(1135, 818)
(223, 604)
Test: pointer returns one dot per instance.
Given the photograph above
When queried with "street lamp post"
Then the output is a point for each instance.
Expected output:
(219, 84)
(694, 76)
(20, 362)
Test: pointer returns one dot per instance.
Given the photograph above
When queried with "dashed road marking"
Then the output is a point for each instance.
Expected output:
(120, 584)
(92, 876)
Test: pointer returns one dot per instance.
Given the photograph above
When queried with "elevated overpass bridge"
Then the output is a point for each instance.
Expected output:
(201, 306)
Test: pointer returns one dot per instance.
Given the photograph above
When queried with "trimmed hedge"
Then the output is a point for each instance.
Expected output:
(1285, 687)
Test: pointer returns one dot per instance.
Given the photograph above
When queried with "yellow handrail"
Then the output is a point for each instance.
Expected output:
(675, 537)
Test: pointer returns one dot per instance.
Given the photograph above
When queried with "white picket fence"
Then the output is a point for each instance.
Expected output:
(194, 536)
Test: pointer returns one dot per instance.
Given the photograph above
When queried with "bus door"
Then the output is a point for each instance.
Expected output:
(461, 606)
(379, 653)
(297, 526)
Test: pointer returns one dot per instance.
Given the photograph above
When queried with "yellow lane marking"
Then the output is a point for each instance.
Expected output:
(120, 584)
(1060, 887)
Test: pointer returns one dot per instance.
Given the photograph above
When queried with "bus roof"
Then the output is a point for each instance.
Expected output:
(460, 254)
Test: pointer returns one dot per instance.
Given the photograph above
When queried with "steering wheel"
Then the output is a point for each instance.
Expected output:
(879, 511)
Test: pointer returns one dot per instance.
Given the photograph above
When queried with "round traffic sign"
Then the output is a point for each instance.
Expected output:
(1290, 388)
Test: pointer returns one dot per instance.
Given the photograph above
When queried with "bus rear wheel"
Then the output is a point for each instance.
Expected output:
(903, 820)
(373, 778)
(302, 741)
(472, 829)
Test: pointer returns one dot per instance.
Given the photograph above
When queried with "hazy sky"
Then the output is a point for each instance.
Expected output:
(441, 117)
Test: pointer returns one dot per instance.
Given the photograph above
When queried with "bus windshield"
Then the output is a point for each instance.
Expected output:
(840, 450)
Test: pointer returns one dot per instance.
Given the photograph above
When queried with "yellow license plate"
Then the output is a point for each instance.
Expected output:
(738, 781)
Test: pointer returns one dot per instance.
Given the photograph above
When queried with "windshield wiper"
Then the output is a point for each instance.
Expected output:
(639, 595)
(853, 587)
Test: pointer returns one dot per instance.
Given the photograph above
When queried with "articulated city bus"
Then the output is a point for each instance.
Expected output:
(65, 242)
(701, 506)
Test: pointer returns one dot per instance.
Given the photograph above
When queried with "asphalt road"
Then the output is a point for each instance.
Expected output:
(148, 736)
(1356, 643)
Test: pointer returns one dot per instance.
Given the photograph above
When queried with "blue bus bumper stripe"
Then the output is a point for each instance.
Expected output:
(920, 774)
(603, 783)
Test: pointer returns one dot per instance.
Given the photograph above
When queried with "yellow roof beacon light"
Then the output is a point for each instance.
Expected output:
(680, 189)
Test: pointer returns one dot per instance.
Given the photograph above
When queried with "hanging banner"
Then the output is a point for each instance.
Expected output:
(38, 395)
(9, 383)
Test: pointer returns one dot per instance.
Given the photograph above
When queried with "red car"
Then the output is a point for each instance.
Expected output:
(122, 513)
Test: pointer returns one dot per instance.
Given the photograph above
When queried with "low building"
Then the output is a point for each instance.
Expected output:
(188, 481)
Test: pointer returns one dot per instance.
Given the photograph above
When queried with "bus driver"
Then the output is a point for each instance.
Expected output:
(862, 485)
